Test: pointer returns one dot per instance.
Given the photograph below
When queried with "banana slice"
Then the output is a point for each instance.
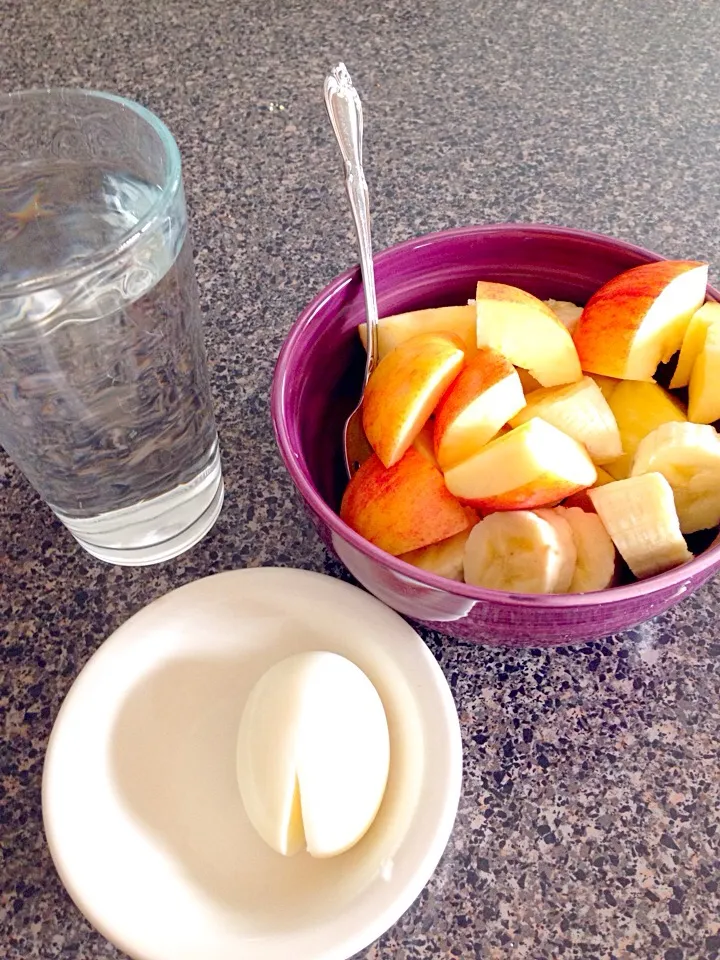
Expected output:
(569, 548)
(639, 514)
(520, 552)
(596, 565)
(688, 456)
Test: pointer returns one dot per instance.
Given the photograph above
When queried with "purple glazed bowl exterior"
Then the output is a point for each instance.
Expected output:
(317, 381)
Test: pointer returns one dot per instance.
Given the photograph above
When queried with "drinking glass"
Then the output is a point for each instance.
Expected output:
(105, 402)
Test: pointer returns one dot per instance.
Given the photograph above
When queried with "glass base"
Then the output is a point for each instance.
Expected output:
(154, 530)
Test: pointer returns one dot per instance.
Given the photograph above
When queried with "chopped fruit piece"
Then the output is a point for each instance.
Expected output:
(531, 466)
(404, 390)
(704, 389)
(520, 552)
(566, 312)
(693, 342)
(404, 507)
(527, 381)
(480, 401)
(638, 319)
(567, 540)
(392, 331)
(639, 514)
(603, 477)
(445, 559)
(688, 456)
(425, 444)
(639, 408)
(596, 566)
(527, 332)
(580, 410)
(607, 384)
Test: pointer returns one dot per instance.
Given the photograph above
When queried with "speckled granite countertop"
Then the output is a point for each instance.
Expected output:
(589, 820)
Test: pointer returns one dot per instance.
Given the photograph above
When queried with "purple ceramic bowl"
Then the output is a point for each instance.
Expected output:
(317, 381)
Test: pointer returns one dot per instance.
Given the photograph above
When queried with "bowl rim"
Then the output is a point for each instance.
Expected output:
(638, 590)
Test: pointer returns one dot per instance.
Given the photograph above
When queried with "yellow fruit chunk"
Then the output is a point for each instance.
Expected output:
(704, 388)
(693, 342)
(639, 408)
(527, 381)
(607, 384)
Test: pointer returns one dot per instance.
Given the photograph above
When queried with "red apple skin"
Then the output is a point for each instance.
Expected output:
(546, 490)
(402, 507)
(405, 388)
(611, 318)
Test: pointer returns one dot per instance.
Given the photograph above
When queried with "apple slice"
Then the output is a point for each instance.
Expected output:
(639, 408)
(527, 332)
(693, 342)
(405, 388)
(396, 329)
(425, 444)
(404, 507)
(531, 466)
(580, 410)
(638, 319)
(444, 558)
(704, 388)
(481, 400)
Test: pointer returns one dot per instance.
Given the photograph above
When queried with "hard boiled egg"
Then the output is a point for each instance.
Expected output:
(313, 754)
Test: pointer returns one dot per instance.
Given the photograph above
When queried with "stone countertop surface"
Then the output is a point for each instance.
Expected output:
(589, 819)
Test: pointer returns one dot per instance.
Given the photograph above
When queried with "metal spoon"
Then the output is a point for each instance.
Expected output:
(345, 112)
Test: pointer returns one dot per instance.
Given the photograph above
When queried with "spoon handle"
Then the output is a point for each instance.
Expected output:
(345, 111)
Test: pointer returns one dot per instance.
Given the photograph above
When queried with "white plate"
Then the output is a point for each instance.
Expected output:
(142, 812)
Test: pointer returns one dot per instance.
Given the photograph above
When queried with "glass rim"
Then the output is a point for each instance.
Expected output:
(168, 188)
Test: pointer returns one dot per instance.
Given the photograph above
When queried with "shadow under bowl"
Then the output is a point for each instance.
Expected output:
(317, 382)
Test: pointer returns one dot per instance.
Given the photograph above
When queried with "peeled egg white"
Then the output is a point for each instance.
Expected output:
(313, 754)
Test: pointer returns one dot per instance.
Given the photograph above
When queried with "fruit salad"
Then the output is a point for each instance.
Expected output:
(527, 446)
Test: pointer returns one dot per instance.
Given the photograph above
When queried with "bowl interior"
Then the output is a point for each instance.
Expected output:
(325, 359)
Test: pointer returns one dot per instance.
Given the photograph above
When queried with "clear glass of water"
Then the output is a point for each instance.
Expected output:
(104, 396)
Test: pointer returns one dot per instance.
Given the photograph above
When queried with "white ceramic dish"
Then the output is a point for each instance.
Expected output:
(142, 810)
